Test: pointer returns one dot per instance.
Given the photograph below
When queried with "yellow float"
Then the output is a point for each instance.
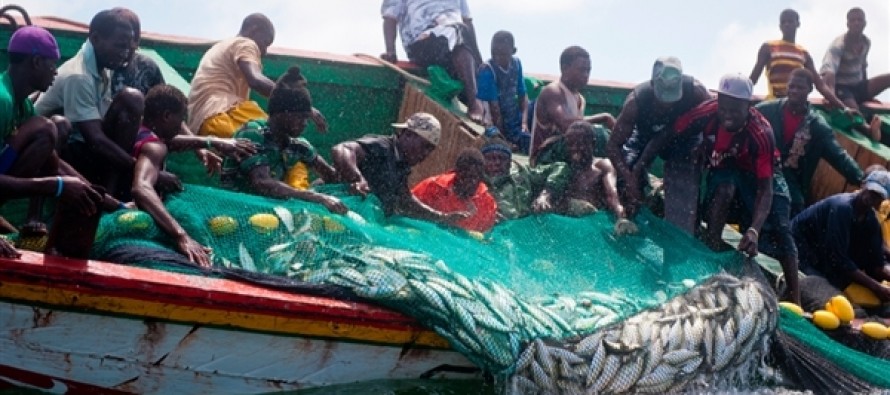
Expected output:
(264, 223)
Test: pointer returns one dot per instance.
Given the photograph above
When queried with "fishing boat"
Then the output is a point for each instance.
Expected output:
(87, 326)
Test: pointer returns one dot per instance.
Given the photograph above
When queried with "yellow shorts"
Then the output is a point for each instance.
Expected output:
(298, 176)
(226, 124)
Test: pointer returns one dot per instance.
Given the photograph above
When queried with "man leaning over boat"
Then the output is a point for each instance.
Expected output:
(381, 165)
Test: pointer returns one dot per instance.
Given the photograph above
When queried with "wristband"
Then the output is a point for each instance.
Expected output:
(756, 235)
(209, 146)
(121, 206)
(60, 186)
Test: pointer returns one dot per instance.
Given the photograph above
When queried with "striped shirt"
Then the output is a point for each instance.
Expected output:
(784, 57)
(752, 149)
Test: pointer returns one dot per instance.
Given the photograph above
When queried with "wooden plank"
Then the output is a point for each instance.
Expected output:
(147, 356)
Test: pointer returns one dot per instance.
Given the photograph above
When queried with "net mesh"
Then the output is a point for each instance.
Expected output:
(538, 277)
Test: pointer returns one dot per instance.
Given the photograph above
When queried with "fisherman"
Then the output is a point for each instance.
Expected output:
(592, 182)
(502, 87)
(381, 165)
(844, 69)
(165, 109)
(840, 242)
(561, 103)
(281, 148)
(219, 102)
(780, 57)
(804, 138)
(650, 109)
(436, 33)
(101, 125)
(142, 73)
(740, 154)
(29, 163)
(459, 190)
(138, 71)
(518, 189)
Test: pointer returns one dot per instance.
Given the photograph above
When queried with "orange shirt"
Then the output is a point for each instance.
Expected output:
(438, 193)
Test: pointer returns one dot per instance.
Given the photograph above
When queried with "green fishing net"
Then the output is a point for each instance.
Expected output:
(546, 276)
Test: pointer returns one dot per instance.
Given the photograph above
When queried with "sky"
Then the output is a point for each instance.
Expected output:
(624, 37)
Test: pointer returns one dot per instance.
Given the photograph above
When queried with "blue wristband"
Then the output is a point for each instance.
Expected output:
(60, 186)
(121, 206)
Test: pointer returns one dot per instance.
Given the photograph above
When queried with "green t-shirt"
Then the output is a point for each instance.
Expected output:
(515, 192)
(236, 175)
(10, 119)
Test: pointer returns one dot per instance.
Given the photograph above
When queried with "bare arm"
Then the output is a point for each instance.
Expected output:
(624, 127)
(496, 118)
(602, 118)
(389, 39)
(763, 56)
(861, 278)
(262, 182)
(145, 176)
(346, 156)
(327, 172)
(523, 107)
(610, 188)
(762, 202)
(821, 86)
(255, 78)
(103, 146)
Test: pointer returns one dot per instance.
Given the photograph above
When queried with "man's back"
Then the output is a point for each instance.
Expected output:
(219, 84)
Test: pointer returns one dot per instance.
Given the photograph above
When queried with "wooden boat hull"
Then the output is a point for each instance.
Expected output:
(87, 326)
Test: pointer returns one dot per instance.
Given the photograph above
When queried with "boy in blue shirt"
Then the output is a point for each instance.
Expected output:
(501, 86)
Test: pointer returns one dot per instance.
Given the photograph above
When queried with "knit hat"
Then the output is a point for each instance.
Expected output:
(34, 40)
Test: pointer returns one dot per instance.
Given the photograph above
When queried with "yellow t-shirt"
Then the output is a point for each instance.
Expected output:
(218, 84)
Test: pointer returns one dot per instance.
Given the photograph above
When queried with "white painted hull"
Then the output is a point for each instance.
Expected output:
(133, 355)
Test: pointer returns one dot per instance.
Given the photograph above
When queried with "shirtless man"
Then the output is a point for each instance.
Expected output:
(560, 102)
(593, 180)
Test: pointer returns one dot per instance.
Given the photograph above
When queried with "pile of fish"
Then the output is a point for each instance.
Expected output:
(712, 335)
(711, 331)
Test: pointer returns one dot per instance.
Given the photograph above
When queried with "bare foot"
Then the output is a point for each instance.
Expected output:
(475, 111)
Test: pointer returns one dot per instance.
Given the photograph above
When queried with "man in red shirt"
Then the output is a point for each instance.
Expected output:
(739, 151)
(461, 190)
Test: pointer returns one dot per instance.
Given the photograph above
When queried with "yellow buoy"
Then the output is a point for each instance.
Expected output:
(134, 220)
(264, 223)
(792, 307)
(842, 308)
(826, 319)
(862, 296)
(874, 330)
(222, 225)
(332, 225)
